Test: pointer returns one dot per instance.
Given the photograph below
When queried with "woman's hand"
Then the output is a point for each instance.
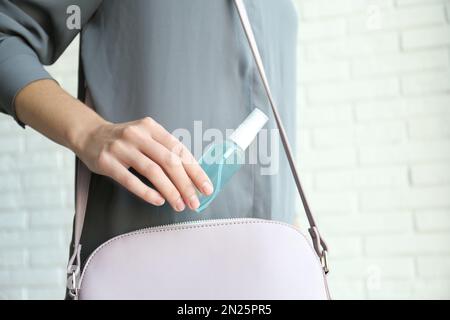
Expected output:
(111, 149)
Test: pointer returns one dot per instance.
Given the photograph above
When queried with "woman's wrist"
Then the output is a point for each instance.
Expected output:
(46, 107)
(83, 129)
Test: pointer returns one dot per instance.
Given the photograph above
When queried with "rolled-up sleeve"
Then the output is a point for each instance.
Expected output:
(34, 33)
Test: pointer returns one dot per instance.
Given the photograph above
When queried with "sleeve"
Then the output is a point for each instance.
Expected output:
(34, 33)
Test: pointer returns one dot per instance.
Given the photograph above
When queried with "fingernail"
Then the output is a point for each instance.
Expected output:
(207, 188)
(160, 201)
(179, 205)
(193, 202)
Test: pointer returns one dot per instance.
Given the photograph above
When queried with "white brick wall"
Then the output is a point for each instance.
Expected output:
(374, 108)
(36, 201)
(374, 101)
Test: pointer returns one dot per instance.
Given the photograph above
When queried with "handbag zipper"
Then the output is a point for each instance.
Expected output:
(162, 226)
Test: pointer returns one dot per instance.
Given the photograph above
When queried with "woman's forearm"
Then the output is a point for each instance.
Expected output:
(47, 108)
(110, 149)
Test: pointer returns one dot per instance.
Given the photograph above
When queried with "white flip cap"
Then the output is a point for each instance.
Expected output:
(248, 130)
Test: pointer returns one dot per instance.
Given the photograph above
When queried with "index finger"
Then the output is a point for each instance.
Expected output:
(192, 167)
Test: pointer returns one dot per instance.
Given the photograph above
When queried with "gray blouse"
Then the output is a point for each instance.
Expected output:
(176, 61)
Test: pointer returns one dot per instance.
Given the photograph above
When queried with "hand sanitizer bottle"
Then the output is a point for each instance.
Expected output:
(222, 160)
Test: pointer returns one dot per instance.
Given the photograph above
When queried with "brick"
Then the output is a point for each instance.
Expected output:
(304, 140)
(12, 293)
(44, 198)
(353, 46)
(362, 178)
(67, 236)
(387, 133)
(433, 267)
(429, 220)
(9, 201)
(447, 11)
(30, 238)
(413, 107)
(374, 17)
(12, 144)
(49, 257)
(327, 158)
(325, 8)
(429, 128)
(391, 18)
(333, 202)
(431, 289)
(330, 28)
(418, 2)
(44, 179)
(430, 174)
(363, 225)
(10, 182)
(312, 71)
(68, 198)
(407, 245)
(30, 277)
(426, 37)
(380, 110)
(68, 161)
(400, 62)
(417, 198)
(346, 289)
(428, 105)
(386, 268)
(8, 126)
(425, 83)
(332, 136)
(324, 116)
(12, 258)
(14, 220)
(37, 142)
(52, 293)
(407, 289)
(51, 218)
(34, 161)
(412, 152)
(342, 246)
(353, 90)
(391, 290)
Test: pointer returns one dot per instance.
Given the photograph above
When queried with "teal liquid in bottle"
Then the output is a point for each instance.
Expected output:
(222, 160)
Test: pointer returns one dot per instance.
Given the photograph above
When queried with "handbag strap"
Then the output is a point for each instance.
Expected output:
(83, 175)
(319, 243)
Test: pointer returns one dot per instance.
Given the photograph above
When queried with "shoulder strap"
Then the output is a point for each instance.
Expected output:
(83, 174)
(319, 244)
(82, 182)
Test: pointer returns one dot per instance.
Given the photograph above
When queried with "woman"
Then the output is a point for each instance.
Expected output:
(151, 67)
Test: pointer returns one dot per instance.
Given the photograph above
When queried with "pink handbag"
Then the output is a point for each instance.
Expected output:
(238, 258)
